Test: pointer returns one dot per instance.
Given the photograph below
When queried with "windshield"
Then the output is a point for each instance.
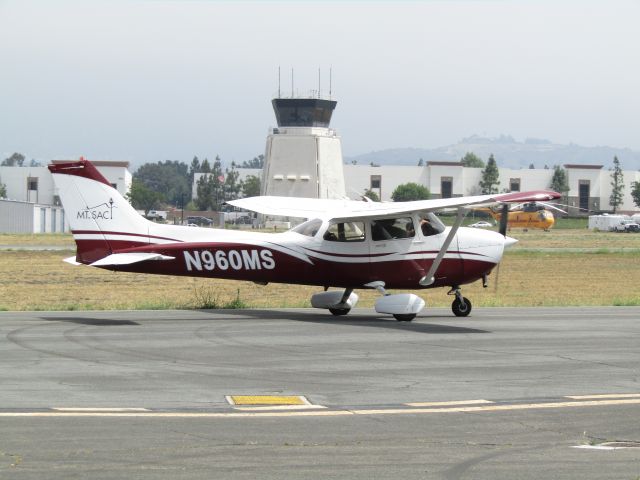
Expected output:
(308, 228)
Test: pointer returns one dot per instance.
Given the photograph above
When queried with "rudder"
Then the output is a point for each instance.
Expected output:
(102, 221)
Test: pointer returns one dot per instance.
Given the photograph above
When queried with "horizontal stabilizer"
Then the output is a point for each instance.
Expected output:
(72, 260)
(129, 258)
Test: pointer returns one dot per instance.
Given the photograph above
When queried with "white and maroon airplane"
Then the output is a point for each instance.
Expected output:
(346, 244)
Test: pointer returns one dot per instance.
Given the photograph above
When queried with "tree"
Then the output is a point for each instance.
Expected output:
(372, 195)
(15, 160)
(410, 191)
(421, 163)
(231, 187)
(3, 190)
(210, 193)
(471, 160)
(170, 178)
(251, 186)
(635, 193)
(205, 167)
(204, 189)
(256, 162)
(490, 177)
(559, 181)
(194, 168)
(144, 198)
(217, 184)
(617, 185)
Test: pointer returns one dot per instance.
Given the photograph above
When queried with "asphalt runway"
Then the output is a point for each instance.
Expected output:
(506, 393)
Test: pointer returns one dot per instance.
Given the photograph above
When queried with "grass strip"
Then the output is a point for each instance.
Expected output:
(39, 280)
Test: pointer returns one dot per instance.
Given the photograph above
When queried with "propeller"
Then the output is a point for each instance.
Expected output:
(504, 218)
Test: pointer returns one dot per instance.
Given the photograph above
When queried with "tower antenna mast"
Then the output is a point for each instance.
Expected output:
(330, 81)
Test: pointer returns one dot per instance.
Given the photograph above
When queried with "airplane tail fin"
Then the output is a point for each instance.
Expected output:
(102, 221)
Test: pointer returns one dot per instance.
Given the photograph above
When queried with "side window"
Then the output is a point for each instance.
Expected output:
(345, 232)
(392, 228)
(430, 225)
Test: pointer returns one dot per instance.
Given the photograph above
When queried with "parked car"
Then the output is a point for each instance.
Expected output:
(201, 221)
(243, 220)
(481, 224)
(157, 215)
(627, 226)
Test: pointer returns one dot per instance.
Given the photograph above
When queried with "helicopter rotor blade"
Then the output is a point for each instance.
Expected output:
(552, 207)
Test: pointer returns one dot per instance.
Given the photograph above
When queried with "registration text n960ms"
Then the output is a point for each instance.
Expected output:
(229, 259)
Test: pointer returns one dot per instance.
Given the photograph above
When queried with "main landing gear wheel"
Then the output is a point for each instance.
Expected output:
(404, 317)
(339, 311)
(461, 308)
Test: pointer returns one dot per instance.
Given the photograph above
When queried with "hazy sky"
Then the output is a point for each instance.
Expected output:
(152, 80)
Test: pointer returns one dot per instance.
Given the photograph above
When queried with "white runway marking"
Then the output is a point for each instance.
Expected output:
(99, 409)
(603, 396)
(143, 413)
(444, 404)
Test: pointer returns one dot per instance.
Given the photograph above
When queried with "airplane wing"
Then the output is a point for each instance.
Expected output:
(343, 209)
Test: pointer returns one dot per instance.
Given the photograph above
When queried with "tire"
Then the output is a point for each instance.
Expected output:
(461, 309)
(339, 311)
(404, 317)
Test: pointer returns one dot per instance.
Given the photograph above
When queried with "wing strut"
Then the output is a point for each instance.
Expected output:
(429, 278)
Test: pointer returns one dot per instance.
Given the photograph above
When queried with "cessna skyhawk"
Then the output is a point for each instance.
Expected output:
(346, 244)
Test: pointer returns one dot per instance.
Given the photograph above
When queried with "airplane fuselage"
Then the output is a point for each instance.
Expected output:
(291, 257)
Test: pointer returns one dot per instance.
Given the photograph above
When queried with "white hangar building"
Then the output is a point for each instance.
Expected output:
(33, 205)
(589, 185)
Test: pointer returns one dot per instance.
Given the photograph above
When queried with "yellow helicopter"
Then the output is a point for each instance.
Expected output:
(527, 215)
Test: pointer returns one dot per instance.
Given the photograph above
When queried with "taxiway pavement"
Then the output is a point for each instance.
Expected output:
(505, 393)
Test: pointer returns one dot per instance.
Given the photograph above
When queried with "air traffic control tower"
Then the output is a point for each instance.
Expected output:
(303, 156)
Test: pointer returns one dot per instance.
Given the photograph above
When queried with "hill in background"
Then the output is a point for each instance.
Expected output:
(508, 152)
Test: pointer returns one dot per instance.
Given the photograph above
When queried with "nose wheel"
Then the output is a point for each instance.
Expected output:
(461, 306)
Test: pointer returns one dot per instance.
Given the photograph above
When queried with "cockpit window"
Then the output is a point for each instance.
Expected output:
(308, 228)
(391, 228)
(430, 224)
(345, 232)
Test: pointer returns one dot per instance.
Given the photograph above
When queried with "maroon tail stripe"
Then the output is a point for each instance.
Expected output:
(80, 168)
(349, 254)
(98, 232)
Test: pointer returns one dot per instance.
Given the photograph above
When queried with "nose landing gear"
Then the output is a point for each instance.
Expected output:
(461, 306)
